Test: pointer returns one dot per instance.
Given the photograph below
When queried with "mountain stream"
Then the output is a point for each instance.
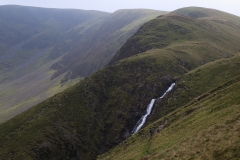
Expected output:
(141, 122)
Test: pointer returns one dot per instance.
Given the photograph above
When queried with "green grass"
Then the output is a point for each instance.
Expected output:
(219, 33)
(105, 41)
(29, 86)
(198, 81)
(19, 105)
(43, 39)
(54, 122)
(206, 128)
(99, 112)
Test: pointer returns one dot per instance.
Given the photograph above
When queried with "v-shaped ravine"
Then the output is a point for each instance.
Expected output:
(141, 122)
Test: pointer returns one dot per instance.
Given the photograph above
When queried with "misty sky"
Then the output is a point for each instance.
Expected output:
(230, 6)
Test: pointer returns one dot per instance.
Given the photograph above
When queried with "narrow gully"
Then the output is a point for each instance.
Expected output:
(142, 121)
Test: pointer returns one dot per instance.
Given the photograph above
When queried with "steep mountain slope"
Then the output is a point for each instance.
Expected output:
(29, 33)
(217, 34)
(28, 37)
(104, 43)
(100, 112)
(44, 51)
(205, 128)
(87, 119)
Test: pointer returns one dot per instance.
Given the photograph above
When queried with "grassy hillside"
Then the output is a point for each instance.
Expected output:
(218, 35)
(28, 37)
(100, 112)
(87, 119)
(205, 128)
(101, 45)
(39, 27)
(192, 86)
(41, 48)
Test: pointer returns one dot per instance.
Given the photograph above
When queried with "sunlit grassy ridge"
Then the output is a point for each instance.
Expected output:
(217, 34)
(206, 128)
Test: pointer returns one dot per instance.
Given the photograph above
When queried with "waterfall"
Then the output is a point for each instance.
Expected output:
(141, 122)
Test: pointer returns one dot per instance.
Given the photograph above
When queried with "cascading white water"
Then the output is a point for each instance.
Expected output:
(141, 122)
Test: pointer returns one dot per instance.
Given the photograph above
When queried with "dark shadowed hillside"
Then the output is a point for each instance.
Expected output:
(44, 51)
